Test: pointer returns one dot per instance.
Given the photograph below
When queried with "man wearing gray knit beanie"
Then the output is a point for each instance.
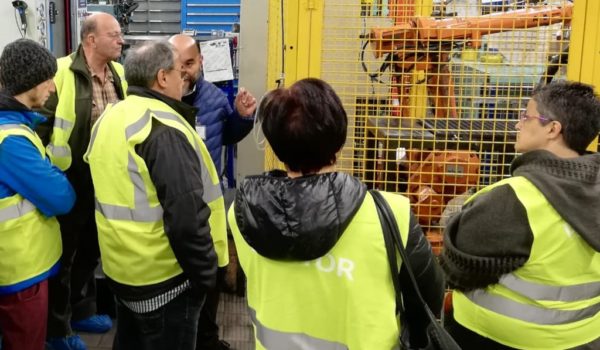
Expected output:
(87, 81)
(26, 64)
(32, 192)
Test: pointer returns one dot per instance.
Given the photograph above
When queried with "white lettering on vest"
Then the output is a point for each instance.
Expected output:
(330, 263)
(568, 230)
(345, 266)
(341, 266)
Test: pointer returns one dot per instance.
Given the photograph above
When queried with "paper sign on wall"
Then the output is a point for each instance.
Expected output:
(217, 60)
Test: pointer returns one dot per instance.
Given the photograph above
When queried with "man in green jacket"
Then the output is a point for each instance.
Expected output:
(86, 81)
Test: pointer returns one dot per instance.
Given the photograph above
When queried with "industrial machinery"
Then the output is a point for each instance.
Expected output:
(33, 18)
(423, 54)
(426, 43)
(437, 177)
(121, 9)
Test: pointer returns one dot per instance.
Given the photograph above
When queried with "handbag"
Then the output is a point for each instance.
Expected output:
(437, 337)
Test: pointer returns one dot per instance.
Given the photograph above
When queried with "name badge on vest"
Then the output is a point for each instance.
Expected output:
(201, 130)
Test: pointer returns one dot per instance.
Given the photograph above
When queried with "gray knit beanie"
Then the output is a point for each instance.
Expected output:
(25, 64)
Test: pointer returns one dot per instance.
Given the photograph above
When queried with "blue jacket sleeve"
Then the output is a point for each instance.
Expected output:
(23, 169)
(236, 127)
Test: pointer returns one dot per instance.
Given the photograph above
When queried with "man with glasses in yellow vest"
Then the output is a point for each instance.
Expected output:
(524, 254)
(32, 192)
(158, 202)
(87, 80)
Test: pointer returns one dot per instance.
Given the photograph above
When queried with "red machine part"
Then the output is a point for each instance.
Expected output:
(436, 177)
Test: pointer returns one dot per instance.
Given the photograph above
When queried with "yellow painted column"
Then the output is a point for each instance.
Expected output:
(418, 91)
(302, 41)
(274, 45)
(584, 48)
(424, 8)
(310, 38)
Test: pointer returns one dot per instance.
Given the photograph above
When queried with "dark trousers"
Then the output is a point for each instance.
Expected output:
(23, 318)
(208, 329)
(171, 327)
(72, 294)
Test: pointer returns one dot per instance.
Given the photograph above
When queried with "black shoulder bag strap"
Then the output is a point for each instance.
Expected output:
(438, 336)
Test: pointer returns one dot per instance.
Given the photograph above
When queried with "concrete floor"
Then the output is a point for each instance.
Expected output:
(232, 316)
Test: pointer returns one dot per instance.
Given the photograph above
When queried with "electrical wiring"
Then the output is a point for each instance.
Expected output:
(22, 31)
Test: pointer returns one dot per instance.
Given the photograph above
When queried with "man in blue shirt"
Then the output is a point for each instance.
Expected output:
(32, 192)
(218, 124)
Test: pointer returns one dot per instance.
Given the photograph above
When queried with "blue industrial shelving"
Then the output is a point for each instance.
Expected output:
(207, 16)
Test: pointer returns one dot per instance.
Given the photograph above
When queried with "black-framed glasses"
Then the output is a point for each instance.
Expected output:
(523, 116)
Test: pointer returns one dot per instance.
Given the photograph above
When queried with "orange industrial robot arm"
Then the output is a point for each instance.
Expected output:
(431, 185)
(421, 31)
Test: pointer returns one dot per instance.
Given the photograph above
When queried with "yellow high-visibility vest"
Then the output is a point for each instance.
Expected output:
(551, 302)
(30, 242)
(58, 149)
(135, 249)
(342, 300)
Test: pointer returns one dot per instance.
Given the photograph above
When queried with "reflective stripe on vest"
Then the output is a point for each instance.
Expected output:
(529, 313)
(22, 128)
(24, 206)
(58, 148)
(61, 151)
(553, 293)
(30, 242)
(17, 210)
(129, 215)
(143, 212)
(273, 339)
(62, 123)
(343, 300)
(211, 191)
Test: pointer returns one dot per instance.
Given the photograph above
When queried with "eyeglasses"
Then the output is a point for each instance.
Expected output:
(181, 71)
(524, 116)
(115, 35)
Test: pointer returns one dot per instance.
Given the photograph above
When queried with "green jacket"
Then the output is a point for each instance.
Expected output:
(80, 136)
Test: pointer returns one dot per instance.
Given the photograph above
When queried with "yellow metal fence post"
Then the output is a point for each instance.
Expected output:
(303, 27)
(584, 49)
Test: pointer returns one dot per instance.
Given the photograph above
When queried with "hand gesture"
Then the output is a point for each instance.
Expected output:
(245, 103)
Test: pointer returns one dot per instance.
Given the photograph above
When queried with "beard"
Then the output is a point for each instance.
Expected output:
(190, 84)
(188, 87)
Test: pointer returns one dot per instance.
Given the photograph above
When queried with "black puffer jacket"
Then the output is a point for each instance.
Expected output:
(303, 218)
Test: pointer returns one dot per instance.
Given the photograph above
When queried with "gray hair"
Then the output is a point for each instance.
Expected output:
(88, 26)
(142, 63)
